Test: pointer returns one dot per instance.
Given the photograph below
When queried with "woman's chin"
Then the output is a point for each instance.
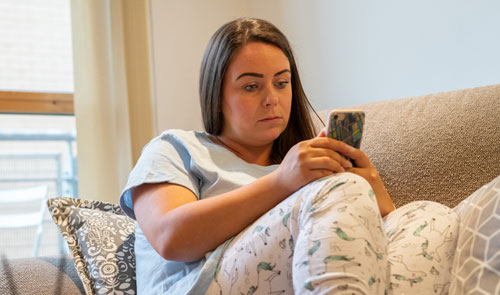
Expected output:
(270, 135)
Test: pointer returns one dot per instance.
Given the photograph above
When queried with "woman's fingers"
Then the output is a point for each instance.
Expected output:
(319, 152)
(329, 144)
(325, 163)
(340, 150)
(359, 157)
(321, 156)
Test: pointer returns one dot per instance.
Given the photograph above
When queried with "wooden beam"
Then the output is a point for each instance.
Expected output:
(36, 102)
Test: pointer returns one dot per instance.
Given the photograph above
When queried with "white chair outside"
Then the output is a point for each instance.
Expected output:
(29, 218)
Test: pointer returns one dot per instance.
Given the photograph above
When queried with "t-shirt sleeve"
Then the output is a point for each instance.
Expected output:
(164, 159)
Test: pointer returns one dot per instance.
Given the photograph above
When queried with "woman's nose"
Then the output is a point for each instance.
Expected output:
(271, 98)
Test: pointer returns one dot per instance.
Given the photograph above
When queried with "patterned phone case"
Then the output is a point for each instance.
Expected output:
(346, 126)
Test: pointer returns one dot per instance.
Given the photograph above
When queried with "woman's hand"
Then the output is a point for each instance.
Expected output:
(322, 156)
(366, 169)
(310, 160)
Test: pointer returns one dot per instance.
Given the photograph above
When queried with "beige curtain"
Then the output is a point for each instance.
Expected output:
(113, 104)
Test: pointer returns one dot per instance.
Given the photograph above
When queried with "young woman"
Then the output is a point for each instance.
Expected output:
(257, 204)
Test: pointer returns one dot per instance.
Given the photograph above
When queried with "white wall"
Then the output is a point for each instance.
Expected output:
(180, 32)
(371, 50)
(349, 52)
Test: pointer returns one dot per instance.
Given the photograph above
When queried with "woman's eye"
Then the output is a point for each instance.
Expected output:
(282, 84)
(251, 87)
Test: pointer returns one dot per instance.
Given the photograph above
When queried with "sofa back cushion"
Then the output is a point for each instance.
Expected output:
(439, 147)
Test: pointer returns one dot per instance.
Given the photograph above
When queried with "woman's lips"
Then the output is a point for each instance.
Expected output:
(270, 119)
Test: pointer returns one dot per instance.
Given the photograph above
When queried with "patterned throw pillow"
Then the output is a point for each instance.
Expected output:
(476, 266)
(101, 241)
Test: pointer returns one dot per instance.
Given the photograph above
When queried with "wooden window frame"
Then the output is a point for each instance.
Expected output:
(36, 103)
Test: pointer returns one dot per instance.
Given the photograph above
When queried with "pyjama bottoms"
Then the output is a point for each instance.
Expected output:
(329, 238)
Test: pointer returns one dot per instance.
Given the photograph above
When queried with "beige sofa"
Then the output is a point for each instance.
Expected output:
(439, 147)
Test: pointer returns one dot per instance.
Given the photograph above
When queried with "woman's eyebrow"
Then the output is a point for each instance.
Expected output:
(281, 72)
(261, 75)
(251, 74)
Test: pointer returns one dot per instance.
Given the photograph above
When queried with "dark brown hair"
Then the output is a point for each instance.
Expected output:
(218, 54)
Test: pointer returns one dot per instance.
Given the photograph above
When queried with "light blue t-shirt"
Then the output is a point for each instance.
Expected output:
(190, 159)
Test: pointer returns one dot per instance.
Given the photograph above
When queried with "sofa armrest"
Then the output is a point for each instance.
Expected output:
(39, 275)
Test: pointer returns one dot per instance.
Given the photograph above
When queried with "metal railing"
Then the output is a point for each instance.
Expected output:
(28, 163)
(66, 178)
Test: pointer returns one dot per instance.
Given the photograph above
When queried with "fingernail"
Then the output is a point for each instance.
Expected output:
(348, 164)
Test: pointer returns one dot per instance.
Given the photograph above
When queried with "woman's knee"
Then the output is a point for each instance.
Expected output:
(419, 215)
(341, 187)
(348, 183)
(340, 181)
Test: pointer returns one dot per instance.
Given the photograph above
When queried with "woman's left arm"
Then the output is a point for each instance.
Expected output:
(366, 169)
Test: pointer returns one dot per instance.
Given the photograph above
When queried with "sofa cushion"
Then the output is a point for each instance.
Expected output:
(101, 242)
(476, 266)
(39, 275)
(439, 147)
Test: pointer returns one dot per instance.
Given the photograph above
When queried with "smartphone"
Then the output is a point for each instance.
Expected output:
(346, 126)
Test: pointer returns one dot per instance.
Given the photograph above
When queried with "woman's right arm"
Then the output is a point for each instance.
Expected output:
(182, 228)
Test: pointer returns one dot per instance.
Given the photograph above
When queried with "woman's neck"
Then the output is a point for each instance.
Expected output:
(259, 155)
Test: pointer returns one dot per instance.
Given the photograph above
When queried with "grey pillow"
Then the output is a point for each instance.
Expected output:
(476, 266)
(101, 242)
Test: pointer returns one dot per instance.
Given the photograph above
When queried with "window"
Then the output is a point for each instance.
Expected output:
(37, 126)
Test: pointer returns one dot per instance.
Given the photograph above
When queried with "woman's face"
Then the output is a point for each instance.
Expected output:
(256, 95)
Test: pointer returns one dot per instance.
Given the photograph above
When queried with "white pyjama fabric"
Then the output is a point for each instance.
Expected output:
(329, 238)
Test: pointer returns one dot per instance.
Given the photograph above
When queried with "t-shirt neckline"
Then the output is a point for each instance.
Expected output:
(206, 137)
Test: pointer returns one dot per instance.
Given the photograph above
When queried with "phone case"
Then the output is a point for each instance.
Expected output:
(346, 126)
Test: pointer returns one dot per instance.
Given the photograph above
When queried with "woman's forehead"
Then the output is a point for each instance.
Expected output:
(258, 57)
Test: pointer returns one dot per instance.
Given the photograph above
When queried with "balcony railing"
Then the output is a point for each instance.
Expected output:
(66, 180)
(23, 164)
